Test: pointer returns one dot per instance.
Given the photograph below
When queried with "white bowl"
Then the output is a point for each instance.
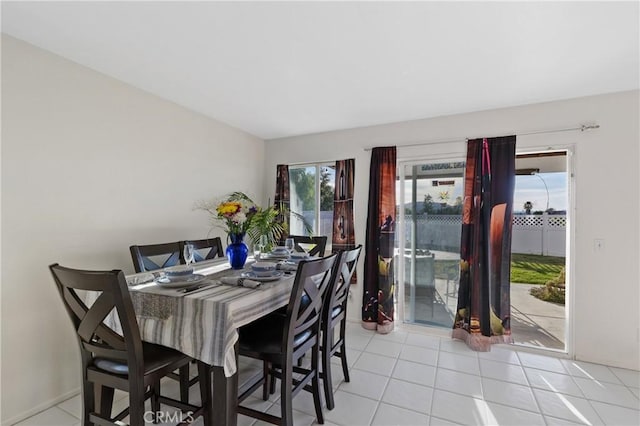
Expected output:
(280, 251)
(179, 271)
(263, 269)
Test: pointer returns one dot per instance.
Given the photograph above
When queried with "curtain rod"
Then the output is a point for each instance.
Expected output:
(582, 128)
(312, 163)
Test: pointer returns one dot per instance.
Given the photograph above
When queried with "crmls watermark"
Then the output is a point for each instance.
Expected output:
(169, 417)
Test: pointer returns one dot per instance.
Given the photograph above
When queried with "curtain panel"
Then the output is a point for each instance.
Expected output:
(282, 200)
(344, 237)
(484, 308)
(377, 303)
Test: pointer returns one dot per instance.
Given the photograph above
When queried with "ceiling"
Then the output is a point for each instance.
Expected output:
(277, 69)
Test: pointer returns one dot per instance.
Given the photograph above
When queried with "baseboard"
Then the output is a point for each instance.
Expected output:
(40, 407)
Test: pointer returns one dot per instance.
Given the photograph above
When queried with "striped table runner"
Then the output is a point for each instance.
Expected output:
(204, 325)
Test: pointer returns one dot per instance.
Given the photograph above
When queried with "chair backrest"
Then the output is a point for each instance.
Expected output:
(156, 256)
(335, 307)
(304, 311)
(97, 340)
(213, 245)
(320, 242)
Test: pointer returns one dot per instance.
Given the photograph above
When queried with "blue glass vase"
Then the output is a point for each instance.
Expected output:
(237, 251)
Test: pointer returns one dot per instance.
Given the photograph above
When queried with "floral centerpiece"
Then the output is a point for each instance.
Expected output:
(235, 214)
(239, 216)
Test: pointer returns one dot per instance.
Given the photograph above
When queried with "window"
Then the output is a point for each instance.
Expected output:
(312, 187)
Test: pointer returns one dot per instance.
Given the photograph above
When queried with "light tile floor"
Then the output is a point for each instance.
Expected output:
(410, 377)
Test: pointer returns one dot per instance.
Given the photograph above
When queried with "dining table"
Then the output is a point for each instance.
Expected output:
(202, 320)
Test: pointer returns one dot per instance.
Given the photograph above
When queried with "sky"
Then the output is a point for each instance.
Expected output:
(528, 188)
(532, 188)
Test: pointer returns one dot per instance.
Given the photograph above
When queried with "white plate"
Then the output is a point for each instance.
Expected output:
(180, 282)
(276, 275)
(274, 256)
(280, 251)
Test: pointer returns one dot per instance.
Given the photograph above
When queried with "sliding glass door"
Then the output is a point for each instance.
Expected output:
(429, 194)
(430, 211)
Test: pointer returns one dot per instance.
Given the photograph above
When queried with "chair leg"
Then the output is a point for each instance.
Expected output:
(106, 401)
(136, 407)
(184, 383)
(343, 360)
(89, 401)
(204, 377)
(272, 384)
(155, 402)
(286, 403)
(266, 369)
(343, 349)
(327, 339)
(315, 384)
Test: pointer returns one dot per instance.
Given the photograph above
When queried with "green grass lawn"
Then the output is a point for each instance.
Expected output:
(534, 269)
(525, 268)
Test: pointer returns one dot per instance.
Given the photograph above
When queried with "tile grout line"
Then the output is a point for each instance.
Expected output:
(67, 411)
(539, 366)
(386, 386)
(435, 377)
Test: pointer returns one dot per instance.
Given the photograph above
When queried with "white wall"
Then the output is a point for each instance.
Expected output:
(90, 166)
(605, 286)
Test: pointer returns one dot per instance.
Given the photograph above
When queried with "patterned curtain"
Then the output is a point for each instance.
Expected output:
(343, 227)
(377, 303)
(282, 199)
(484, 307)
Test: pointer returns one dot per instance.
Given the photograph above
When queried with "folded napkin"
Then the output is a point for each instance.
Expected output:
(140, 279)
(240, 282)
(284, 266)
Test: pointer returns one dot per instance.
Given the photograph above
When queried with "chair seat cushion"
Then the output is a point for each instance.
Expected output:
(336, 311)
(304, 302)
(111, 366)
(156, 357)
(265, 335)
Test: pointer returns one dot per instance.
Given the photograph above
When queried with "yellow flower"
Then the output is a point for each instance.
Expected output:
(234, 213)
(229, 208)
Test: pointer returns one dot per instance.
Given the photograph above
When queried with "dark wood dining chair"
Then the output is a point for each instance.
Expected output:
(151, 257)
(335, 315)
(112, 361)
(320, 242)
(206, 249)
(280, 340)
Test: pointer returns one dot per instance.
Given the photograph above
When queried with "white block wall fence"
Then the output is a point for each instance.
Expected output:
(531, 234)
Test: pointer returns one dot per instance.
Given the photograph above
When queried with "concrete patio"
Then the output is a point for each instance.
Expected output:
(534, 322)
